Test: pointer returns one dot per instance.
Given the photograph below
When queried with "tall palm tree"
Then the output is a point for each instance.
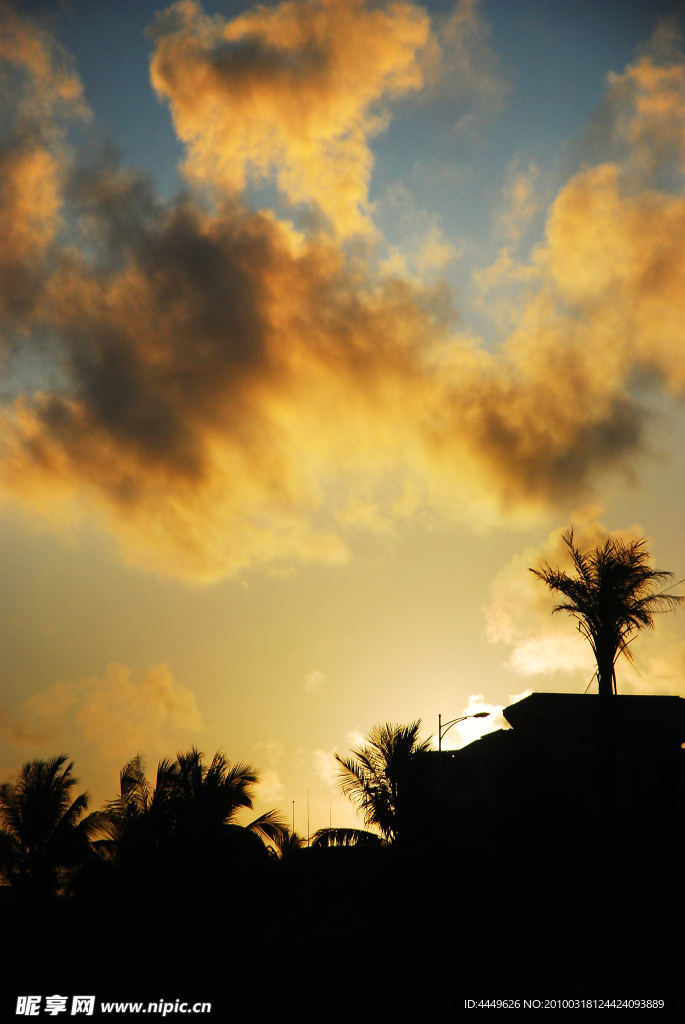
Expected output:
(613, 594)
(44, 833)
(379, 780)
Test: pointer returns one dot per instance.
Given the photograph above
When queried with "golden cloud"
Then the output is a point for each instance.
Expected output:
(119, 713)
(645, 104)
(39, 93)
(294, 90)
(238, 393)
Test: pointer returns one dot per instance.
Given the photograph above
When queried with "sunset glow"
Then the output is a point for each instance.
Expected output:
(322, 321)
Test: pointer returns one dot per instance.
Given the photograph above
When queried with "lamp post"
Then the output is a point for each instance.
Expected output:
(444, 729)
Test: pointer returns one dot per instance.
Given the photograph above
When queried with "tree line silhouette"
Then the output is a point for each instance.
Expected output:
(186, 822)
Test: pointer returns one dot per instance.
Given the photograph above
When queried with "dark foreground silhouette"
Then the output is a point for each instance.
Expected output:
(502, 876)
(510, 909)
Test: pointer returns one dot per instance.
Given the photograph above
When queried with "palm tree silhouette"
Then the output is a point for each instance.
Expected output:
(44, 833)
(190, 814)
(614, 594)
(134, 823)
(379, 782)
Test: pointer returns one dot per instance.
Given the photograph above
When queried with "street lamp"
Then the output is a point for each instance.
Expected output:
(444, 729)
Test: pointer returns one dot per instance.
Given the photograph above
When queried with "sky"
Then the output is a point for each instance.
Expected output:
(321, 321)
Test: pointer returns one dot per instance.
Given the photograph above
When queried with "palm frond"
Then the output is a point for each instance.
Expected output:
(271, 826)
(327, 837)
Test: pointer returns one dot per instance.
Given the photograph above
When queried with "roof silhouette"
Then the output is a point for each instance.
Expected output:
(573, 716)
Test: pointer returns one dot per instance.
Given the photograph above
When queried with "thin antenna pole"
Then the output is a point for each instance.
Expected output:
(439, 753)
(293, 817)
(307, 817)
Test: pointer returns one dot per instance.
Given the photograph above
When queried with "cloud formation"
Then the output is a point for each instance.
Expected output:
(234, 392)
(520, 200)
(40, 93)
(294, 91)
(118, 713)
(269, 788)
(326, 767)
(314, 680)
(464, 74)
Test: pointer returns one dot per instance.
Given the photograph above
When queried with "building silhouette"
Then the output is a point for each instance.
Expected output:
(544, 768)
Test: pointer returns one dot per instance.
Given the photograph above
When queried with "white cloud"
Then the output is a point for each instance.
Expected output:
(270, 788)
(325, 767)
(313, 681)
(273, 750)
(551, 653)
(473, 728)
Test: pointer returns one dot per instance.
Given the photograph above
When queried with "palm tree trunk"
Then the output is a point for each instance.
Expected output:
(606, 742)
